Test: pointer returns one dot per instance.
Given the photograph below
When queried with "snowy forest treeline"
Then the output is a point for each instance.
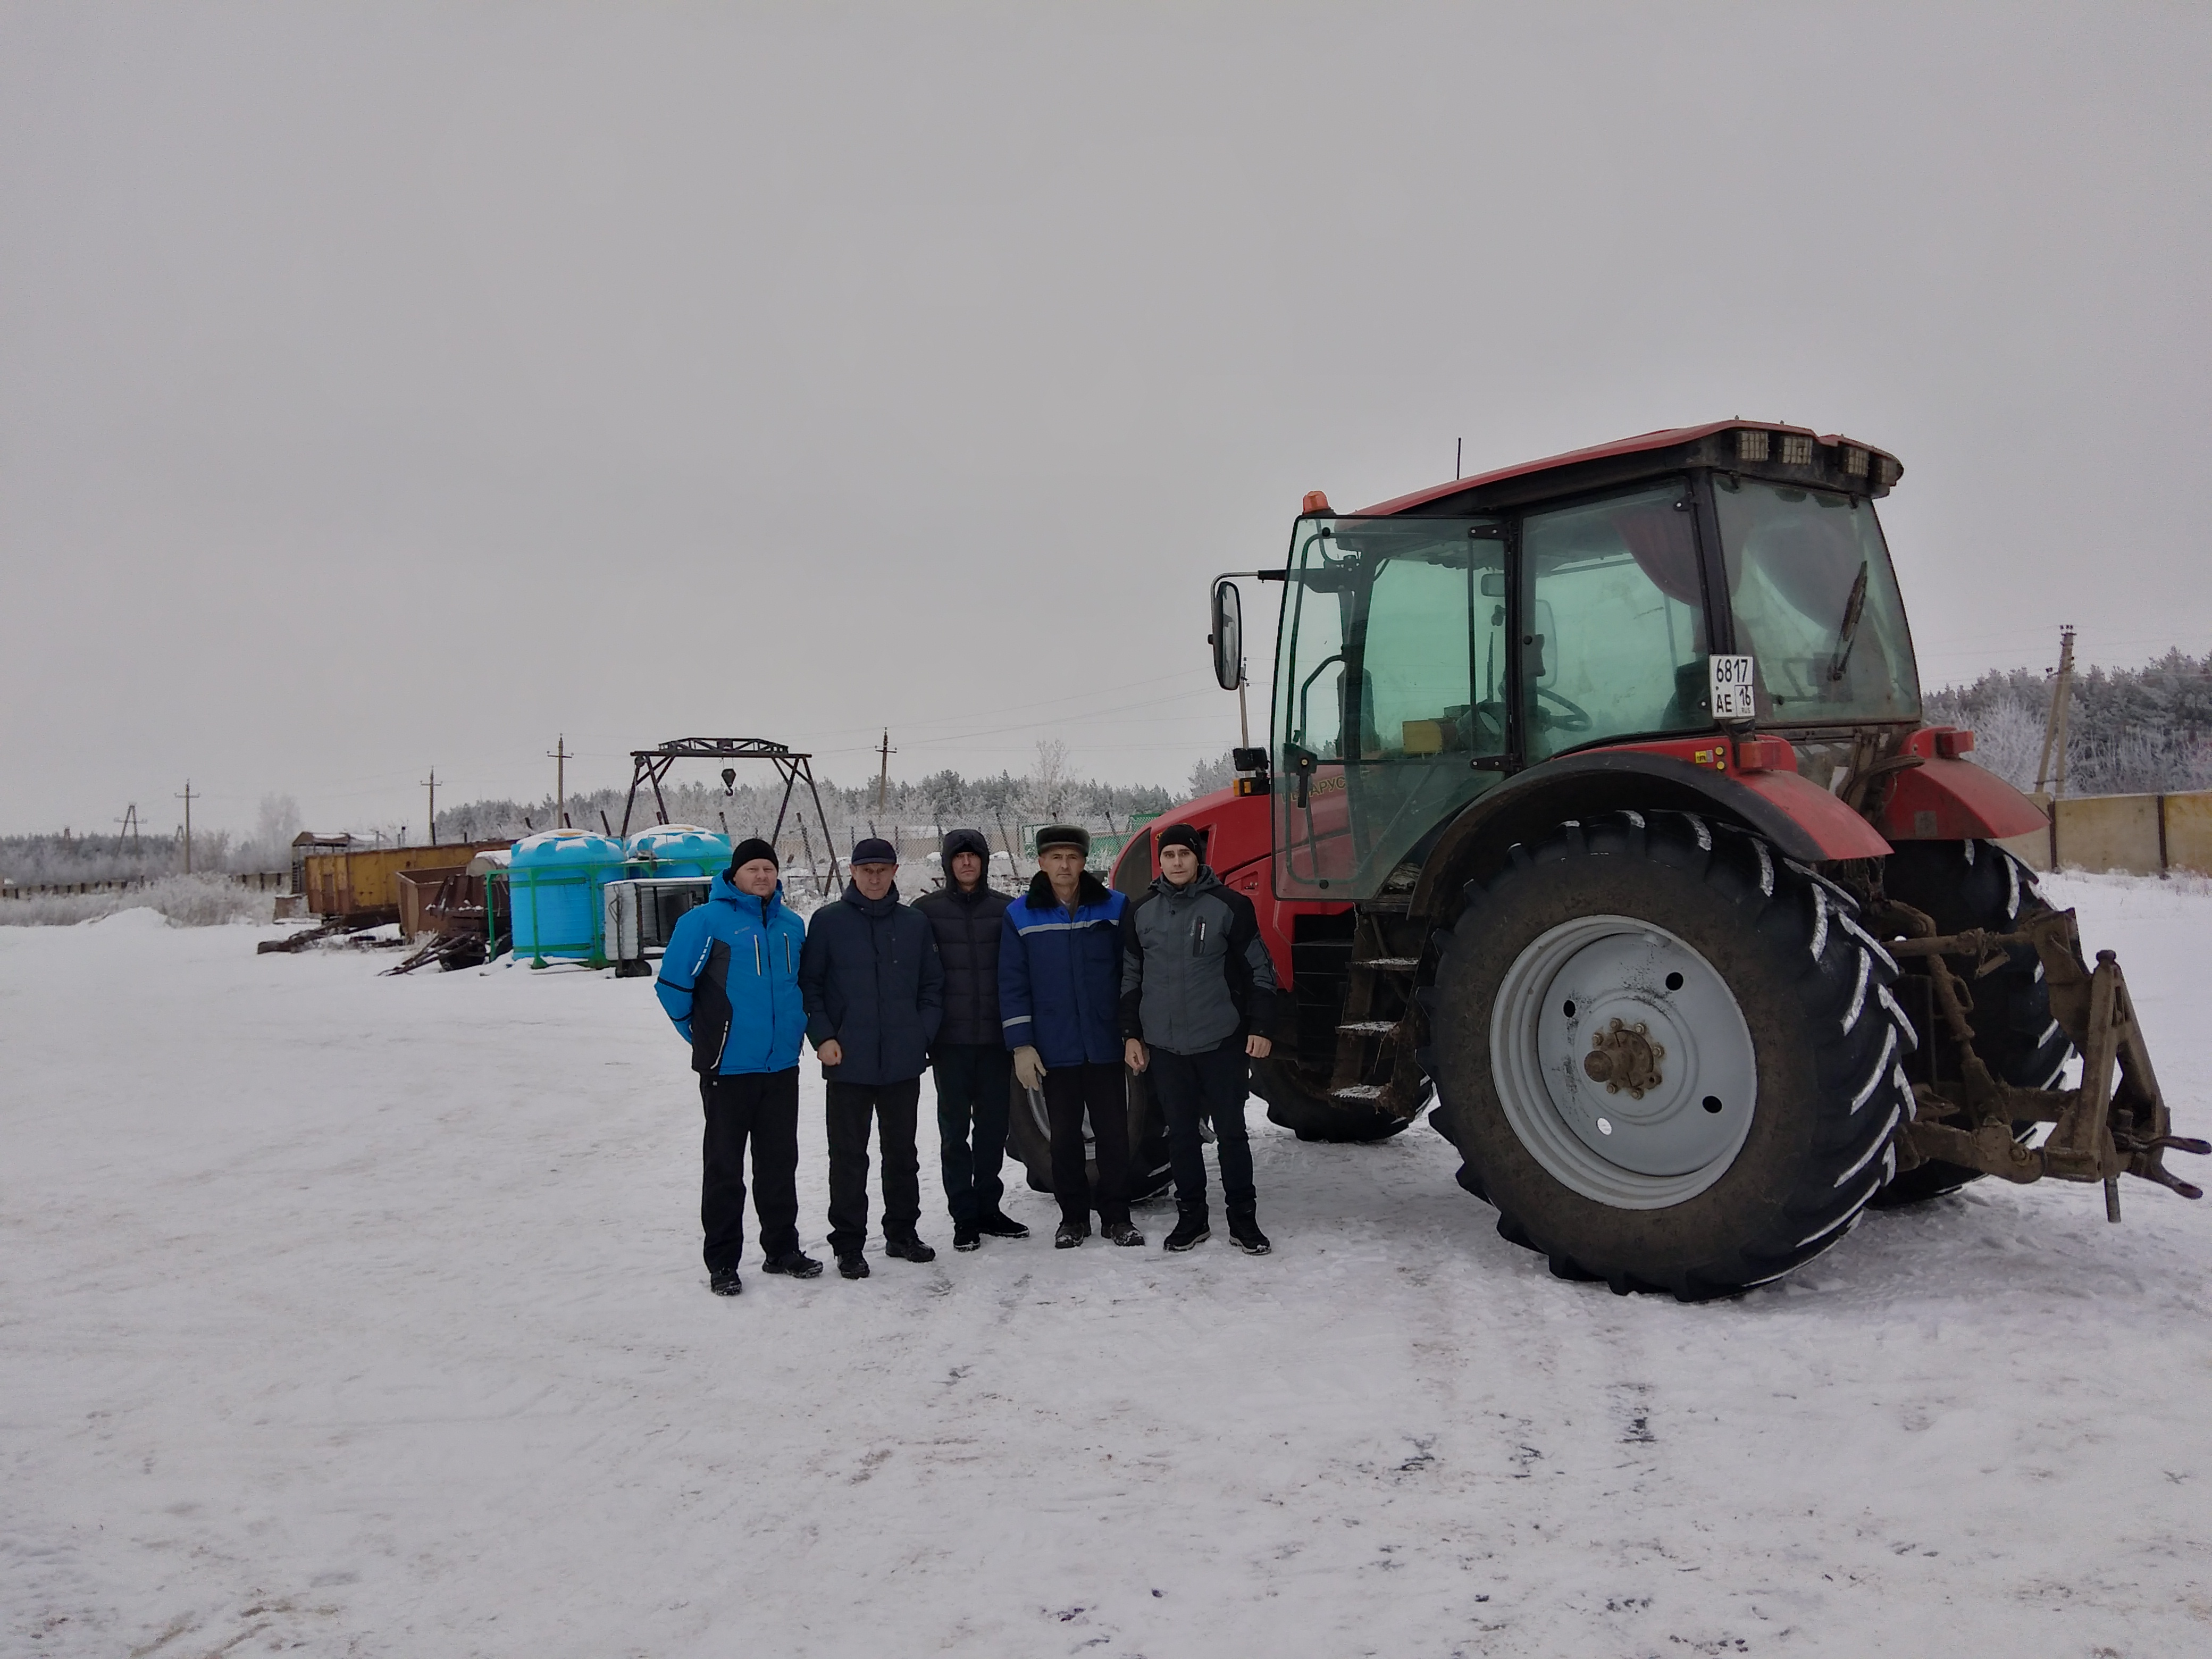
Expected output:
(1049, 790)
(2131, 731)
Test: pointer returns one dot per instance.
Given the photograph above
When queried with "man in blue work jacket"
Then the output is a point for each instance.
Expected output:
(729, 980)
(1059, 989)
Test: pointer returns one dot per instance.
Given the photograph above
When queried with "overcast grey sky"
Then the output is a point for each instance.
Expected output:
(391, 385)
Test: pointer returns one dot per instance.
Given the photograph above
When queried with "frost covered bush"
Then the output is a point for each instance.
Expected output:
(192, 901)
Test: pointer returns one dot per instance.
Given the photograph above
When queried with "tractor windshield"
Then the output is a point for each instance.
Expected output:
(1816, 605)
(1390, 683)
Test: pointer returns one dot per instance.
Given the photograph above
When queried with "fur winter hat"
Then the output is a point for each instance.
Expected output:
(1064, 834)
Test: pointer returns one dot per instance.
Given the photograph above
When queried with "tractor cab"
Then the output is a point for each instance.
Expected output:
(1668, 589)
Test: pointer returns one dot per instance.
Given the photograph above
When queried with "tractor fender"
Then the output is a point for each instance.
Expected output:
(1946, 798)
(1803, 821)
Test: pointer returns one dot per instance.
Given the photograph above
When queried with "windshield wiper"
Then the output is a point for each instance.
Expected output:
(1852, 608)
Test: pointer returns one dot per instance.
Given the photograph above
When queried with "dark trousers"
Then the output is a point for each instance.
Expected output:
(1189, 1087)
(1069, 1092)
(848, 1109)
(972, 1082)
(763, 1107)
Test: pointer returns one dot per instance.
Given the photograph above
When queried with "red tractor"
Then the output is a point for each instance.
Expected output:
(1598, 807)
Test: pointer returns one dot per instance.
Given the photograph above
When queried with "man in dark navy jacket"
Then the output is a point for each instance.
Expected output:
(969, 1059)
(730, 982)
(874, 994)
(1059, 988)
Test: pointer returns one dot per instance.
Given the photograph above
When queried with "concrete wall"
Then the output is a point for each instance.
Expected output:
(2142, 834)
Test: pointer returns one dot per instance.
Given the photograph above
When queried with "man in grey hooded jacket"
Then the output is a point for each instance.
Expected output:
(1198, 994)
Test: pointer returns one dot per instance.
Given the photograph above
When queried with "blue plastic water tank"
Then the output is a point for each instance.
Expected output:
(554, 884)
(680, 849)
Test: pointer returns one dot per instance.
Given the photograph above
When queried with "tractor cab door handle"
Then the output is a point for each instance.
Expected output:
(1302, 762)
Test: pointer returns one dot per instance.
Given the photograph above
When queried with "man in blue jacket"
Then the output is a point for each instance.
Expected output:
(1060, 988)
(874, 994)
(729, 980)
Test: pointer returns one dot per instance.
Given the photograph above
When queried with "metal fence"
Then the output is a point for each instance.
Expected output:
(259, 881)
(2138, 835)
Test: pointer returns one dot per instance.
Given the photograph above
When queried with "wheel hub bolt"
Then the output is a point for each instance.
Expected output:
(1623, 1056)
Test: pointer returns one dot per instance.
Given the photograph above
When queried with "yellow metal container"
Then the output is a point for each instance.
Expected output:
(362, 883)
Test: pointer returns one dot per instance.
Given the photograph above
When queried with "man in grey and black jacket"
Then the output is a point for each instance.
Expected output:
(1197, 992)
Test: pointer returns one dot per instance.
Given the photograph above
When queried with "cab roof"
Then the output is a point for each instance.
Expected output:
(1700, 445)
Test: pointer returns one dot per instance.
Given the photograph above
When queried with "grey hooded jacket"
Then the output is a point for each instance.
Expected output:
(1195, 971)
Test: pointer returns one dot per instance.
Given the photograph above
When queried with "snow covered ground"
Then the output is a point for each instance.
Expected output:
(365, 1315)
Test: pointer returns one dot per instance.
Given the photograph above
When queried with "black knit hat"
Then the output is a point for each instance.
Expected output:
(751, 848)
(1064, 834)
(1180, 834)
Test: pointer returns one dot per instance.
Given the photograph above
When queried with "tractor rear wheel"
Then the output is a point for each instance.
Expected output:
(1028, 1138)
(1962, 886)
(1302, 1104)
(1663, 1052)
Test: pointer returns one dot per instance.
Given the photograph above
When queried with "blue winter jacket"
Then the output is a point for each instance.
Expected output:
(729, 980)
(1060, 974)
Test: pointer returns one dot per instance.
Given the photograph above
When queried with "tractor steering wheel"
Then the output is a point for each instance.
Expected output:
(1575, 717)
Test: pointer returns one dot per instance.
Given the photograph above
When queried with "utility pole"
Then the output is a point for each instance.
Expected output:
(1459, 454)
(884, 774)
(187, 799)
(434, 806)
(130, 827)
(559, 756)
(2054, 725)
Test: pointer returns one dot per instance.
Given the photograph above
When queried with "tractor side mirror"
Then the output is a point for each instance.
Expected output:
(1228, 636)
(1494, 584)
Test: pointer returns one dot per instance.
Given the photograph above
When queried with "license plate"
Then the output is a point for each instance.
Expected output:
(1731, 689)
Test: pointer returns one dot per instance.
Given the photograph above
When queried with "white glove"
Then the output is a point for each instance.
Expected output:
(1029, 1068)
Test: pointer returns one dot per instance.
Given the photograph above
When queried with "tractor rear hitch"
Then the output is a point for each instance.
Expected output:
(2115, 1123)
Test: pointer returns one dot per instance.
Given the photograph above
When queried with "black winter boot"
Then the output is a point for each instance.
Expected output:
(1191, 1229)
(853, 1265)
(1244, 1228)
(1123, 1232)
(999, 1224)
(795, 1263)
(908, 1247)
(724, 1281)
(1070, 1233)
(965, 1236)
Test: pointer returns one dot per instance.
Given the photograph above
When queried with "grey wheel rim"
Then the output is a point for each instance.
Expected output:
(1671, 1114)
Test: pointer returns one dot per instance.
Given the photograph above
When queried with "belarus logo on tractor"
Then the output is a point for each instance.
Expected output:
(1596, 804)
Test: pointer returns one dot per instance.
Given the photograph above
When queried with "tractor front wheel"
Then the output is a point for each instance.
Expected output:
(1302, 1103)
(1662, 1051)
(1962, 886)
(1028, 1138)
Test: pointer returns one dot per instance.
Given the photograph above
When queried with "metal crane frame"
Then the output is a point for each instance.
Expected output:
(650, 766)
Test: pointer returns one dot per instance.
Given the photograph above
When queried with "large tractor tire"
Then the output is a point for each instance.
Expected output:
(1302, 1103)
(1028, 1138)
(1734, 989)
(1967, 885)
